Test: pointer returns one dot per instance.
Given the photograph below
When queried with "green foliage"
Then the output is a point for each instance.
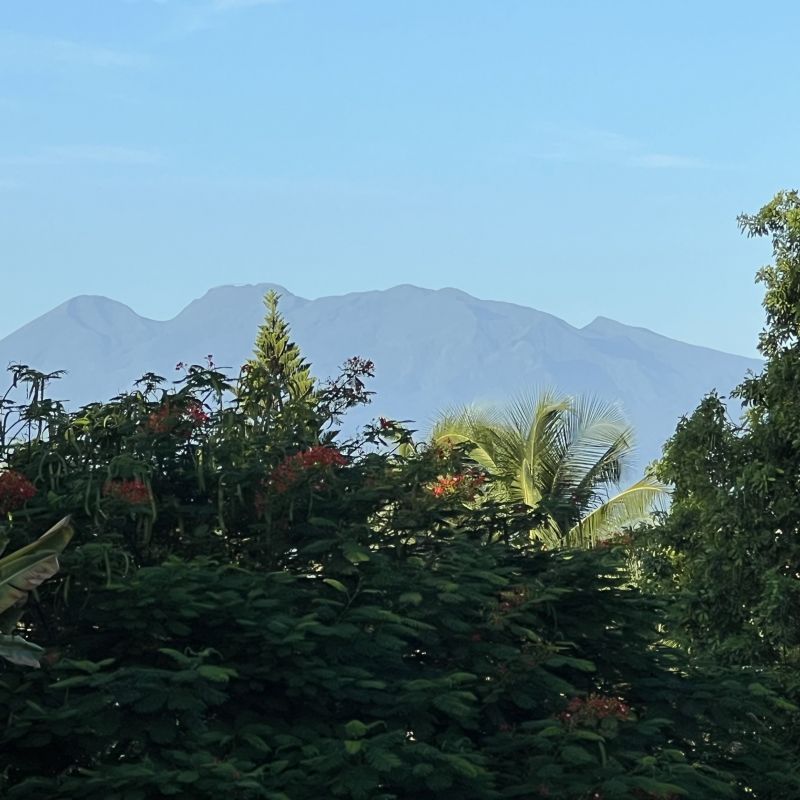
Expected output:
(730, 547)
(188, 679)
(249, 609)
(728, 553)
(21, 572)
(279, 372)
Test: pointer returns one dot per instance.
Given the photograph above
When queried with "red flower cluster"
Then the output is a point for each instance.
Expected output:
(618, 539)
(194, 411)
(464, 482)
(164, 420)
(159, 421)
(132, 493)
(511, 599)
(595, 707)
(292, 468)
(15, 491)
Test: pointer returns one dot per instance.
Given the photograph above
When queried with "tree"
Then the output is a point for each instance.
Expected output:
(278, 371)
(562, 455)
(730, 547)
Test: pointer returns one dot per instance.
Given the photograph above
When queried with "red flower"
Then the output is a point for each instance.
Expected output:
(511, 599)
(132, 493)
(594, 707)
(165, 419)
(15, 491)
(467, 482)
(195, 412)
(292, 468)
(159, 421)
(618, 538)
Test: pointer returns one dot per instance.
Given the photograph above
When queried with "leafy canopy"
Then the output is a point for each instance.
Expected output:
(731, 545)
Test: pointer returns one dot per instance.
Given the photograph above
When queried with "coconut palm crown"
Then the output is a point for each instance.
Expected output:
(560, 454)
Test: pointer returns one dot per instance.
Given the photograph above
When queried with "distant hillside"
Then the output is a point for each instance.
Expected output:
(432, 350)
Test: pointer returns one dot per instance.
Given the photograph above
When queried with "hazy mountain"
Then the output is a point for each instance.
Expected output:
(432, 350)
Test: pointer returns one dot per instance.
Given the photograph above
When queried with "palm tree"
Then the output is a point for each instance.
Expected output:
(563, 455)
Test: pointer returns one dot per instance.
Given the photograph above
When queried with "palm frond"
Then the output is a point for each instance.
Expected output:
(594, 479)
(600, 442)
(471, 426)
(538, 421)
(559, 452)
(631, 506)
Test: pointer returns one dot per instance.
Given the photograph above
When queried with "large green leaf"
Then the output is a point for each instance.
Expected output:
(631, 506)
(28, 567)
(20, 651)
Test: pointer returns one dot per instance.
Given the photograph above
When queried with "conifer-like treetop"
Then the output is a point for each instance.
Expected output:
(277, 360)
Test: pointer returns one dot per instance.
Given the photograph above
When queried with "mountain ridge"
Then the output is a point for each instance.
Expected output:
(433, 349)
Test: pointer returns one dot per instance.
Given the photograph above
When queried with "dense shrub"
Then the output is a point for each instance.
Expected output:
(457, 668)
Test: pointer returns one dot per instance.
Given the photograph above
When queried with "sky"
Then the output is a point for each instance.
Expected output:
(581, 158)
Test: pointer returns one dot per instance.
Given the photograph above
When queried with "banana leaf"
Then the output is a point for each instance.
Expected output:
(20, 573)
(20, 651)
(26, 568)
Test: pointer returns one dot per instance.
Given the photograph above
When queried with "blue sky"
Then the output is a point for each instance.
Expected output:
(583, 158)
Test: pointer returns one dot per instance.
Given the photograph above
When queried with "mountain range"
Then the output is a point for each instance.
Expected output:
(432, 349)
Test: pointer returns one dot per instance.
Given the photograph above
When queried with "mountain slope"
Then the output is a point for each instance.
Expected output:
(432, 350)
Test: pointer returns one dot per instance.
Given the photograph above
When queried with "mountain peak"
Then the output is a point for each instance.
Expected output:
(602, 324)
(94, 302)
(432, 349)
(99, 312)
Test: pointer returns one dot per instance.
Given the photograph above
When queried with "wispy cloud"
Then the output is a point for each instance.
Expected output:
(666, 161)
(211, 5)
(229, 5)
(19, 50)
(72, 154)
(609, 147)
(186, 17)
(206, 15)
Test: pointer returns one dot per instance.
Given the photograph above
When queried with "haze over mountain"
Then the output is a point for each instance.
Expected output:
(432, 350)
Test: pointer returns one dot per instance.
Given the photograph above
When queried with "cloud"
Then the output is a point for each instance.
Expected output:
(609, 147)
(211, 5)
(95, 154)
(104, 154)
(229, 5)
(667, 161)
(30, 51)
(187, 17)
